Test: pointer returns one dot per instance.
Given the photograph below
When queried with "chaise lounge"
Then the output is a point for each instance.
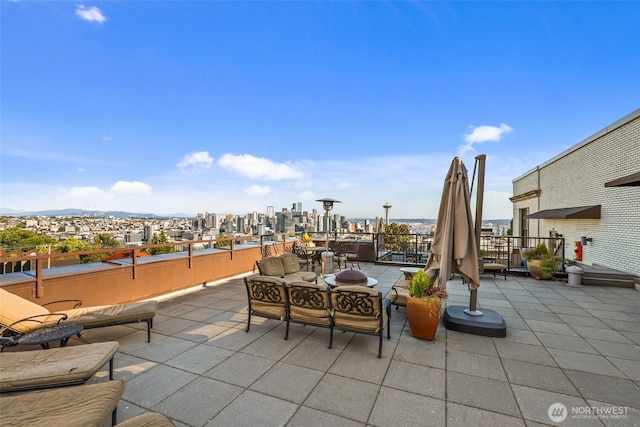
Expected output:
(58, 367)
(19, 316)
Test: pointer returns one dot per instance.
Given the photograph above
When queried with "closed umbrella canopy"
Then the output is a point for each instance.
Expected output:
(454, 248)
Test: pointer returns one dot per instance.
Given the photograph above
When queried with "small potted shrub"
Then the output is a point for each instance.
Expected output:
(423, 306)
(541, 263)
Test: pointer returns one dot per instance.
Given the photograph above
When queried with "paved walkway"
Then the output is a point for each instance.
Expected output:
(576, 347)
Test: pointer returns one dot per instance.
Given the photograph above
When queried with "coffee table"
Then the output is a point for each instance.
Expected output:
(48, 334)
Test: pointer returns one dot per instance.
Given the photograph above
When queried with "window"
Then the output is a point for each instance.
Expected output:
(524, 222)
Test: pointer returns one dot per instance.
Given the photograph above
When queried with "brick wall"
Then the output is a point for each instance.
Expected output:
(577, 178)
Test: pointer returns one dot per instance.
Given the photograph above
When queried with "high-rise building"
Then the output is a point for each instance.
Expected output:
(270, 211)
(147, 232)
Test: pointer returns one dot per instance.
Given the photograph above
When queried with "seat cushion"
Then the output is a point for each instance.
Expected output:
(370, 324)
(267, 296)
(307, 276)
(105, 315)
(309, 303)
(81, 406)
(54, 367)
(14, 308)
(290, 263)
(272, 266)
(360, 313)
(265, 309)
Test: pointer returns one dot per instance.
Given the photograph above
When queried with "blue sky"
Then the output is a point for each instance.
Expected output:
(227, 107)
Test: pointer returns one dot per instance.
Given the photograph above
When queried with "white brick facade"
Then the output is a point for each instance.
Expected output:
(575, 178)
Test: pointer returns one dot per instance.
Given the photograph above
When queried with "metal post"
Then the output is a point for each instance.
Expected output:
(473, 298)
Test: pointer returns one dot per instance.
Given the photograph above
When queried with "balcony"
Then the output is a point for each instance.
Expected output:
(575, 346)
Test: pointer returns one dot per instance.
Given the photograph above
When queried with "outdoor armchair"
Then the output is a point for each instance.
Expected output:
(353, 255)
(304, 257)
(360, 309)
(399, 293)
(309, 304)
(267, 297)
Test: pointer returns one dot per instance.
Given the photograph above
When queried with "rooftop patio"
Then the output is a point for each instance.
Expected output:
(575, 346)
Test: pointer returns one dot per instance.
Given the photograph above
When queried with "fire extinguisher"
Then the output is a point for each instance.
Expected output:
(578, 251)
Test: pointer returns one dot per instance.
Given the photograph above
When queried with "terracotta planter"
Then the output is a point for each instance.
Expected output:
(424, 316)
(534, 268)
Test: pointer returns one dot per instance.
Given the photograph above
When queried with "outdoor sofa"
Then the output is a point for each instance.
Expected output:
(285, 266)
(349, 308)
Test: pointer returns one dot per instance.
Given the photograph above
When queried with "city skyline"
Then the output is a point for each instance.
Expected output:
(186, 107)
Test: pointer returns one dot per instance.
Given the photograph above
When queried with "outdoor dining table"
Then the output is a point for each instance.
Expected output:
(315, 252)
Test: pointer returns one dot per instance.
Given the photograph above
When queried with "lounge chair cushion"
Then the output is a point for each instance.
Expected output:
(81, 406)
(14, 308)
(151, 419)
(97, 316)
(54, 367)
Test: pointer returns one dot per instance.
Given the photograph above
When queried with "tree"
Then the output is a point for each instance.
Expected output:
(222, 241)
(75, 245)
(397, 237)
(19, 238)
(159, 239)
(106, 240)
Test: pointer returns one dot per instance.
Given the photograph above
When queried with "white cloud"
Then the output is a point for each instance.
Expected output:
(91, 14)
(82, 193)
(258, 190)
(479, 134)
(197, 161)
(106, 138)
(259, 167)
(130, 187)
(81, 170)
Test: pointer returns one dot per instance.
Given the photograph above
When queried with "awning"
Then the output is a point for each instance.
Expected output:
(581, 212)
(627, 181)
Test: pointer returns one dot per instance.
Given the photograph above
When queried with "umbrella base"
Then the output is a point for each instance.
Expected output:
(490, 324)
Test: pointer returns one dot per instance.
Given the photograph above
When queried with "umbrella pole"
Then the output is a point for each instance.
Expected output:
(473, 298)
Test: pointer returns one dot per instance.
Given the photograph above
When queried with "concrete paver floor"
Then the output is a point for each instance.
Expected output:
(569, 352)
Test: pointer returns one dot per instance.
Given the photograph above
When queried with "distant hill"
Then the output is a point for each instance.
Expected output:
(84, 212)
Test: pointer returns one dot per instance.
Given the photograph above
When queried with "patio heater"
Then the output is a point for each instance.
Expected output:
(327, 256)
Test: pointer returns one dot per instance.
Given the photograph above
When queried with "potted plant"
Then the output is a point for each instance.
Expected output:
(541, 263)
(423, 306)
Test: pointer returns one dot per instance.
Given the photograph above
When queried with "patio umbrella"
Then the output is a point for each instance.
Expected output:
(454, 248)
